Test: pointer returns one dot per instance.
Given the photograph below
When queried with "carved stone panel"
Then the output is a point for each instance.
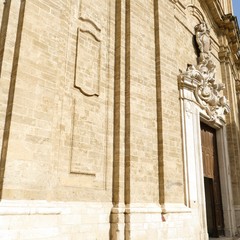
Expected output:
(88, 63)
(89, 123)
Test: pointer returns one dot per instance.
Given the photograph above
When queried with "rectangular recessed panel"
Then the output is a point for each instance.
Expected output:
(88, 137)
(88, 61)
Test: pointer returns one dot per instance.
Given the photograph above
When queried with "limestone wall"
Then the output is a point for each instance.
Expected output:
(91, 123)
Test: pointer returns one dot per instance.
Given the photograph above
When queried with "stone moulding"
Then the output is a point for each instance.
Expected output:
(87, 72)
(175, 208)
(201, 79)
(10, 207)
(43, 207)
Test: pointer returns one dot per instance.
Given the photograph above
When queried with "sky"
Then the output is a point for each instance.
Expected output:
(236, 9)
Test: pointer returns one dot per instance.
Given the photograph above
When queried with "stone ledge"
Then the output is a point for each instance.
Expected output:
(175, 208)
(41, 207)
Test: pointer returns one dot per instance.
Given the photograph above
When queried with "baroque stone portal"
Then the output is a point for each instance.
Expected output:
(202, 78)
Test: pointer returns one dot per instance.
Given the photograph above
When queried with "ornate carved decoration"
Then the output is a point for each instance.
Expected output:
(228, 23)
(202, 78)
(238, 86)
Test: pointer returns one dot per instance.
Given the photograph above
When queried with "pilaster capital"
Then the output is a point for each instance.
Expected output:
(237, 84)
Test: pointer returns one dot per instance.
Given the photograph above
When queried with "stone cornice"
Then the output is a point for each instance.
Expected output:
(228, 23)
(231, 29)
(216, 10)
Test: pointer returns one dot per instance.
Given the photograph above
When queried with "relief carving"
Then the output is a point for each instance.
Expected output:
(189, 109)
(206, 89)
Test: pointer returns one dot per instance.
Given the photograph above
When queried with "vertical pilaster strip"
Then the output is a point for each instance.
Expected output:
(117, 99)
(238, 96)
(10, 102)
(117, 214)
(127, 188)
(159, 102)
(127, 106)
(231, 127)
(3, 30)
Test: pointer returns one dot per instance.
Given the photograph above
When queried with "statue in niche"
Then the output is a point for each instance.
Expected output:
(203, 40)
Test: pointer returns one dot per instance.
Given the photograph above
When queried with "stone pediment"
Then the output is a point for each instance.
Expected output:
(200, 79)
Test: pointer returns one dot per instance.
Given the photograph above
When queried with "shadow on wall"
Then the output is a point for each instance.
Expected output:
(195, 47)
(8, 116)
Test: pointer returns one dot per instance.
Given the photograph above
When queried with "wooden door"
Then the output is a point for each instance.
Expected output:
(212, 182)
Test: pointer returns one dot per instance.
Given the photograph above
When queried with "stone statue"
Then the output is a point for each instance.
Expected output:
(203, 40)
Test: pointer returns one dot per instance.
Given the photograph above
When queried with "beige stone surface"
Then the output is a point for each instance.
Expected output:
(93, 127)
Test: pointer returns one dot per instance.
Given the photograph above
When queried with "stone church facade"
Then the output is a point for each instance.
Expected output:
(119, 120)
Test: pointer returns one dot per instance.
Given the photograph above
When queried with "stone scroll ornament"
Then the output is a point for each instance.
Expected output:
(207, 90)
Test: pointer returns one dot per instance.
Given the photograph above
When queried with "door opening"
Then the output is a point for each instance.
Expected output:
(213, 199)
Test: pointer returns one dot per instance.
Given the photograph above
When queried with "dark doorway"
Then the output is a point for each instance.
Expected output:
(214, 210)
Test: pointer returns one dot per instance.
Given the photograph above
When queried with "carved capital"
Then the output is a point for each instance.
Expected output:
(238, 86)
(224, 54)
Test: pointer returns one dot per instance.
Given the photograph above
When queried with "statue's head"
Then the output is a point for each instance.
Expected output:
(201, 27)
